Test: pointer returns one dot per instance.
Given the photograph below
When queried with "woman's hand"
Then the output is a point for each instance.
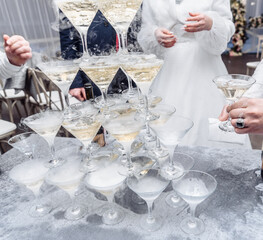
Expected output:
(165, 37)
(201, 23)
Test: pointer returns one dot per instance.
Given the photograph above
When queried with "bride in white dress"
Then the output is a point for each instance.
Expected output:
(192, 56)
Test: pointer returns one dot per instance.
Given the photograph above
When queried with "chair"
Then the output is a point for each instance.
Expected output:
(252, 65)
(7, 129)
(10, 98)
(43, 93)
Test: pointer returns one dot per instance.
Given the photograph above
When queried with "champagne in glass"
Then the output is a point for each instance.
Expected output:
(46, 124)
(68, 178)
(80, 13)
(108, 181)
(31, 174)
(194, 187)
(233, 86)
(149, 186)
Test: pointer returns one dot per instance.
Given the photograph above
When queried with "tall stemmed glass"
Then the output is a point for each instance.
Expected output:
(61, 73)
(170, 134)
(108, 181)
(80, 13)
(46, 124)
(233, 86)
(25, 143)
(124, 128)
(194, 187)
(120, 14)
(101, 71)
(84, 128)
(149, 185)
(68, 178)
(31, 174)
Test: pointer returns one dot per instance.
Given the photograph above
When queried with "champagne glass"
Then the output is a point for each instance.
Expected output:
(124, 128)
(186, 162)
(46, 124)
(68, 177)
(80, 13)
(31, 173)
(108, 181)
(148, 184)
(25, 143)
(194, 187)
(120, 14)
(170, 134)
(233, 86)
(84, 128)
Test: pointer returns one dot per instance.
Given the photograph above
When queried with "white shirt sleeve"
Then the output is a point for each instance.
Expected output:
(215, 41)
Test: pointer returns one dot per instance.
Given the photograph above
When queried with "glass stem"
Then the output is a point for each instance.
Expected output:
(52, 151)
(122, 40)
(192, 210)
(158, 144)
(129, 162)
(150, 218)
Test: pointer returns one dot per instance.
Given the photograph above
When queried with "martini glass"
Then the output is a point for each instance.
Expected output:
(149, 184)
(86, 108)
(170, 134)
(120, 14)
(186, 162)
(25, 143)
(80, 13)
(124, 128)
(61, 73)
(194, 187)
(68, 178)
(108, 181)
(164, 111)
(46, 124)
(101, 71)
(31, 174)
(84, 128)
(233, 86)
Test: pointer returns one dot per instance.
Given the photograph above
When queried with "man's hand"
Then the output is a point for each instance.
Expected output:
(78, 93)
(17, 49)
(201, 23)
(251, 110)
(165, 37)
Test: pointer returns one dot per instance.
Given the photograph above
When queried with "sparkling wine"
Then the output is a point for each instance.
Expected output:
(233, 92)
(79, 12)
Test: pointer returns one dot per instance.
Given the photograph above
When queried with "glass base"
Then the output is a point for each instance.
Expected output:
(112, 216)
(226, 126)
(54, 163)
(158, 153)
(149, 137)
(174, 201)
(76, 212)
(40, 210)
(172, 172)
(152, 225)
(151, 116)
(130, 93)
(192, 226)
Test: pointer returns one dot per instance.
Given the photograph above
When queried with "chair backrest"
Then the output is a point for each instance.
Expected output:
(43, 90)
(2, 88)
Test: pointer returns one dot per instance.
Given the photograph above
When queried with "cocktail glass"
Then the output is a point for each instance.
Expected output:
(25, 143)
(31, 174)
(80, 13)
(101, 71)
(194, 187)
(124, 128)
(120, 14)
(84, 128)
(164, 111)
(108, 181)
(170, 134)
(233, 86)
(46, 124)
(68, 177)
(149, 185)
(186, 162)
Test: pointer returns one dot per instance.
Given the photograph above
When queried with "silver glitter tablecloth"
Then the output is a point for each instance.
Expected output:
(233, 211)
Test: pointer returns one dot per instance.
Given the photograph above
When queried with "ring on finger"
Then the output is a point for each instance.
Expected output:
(240, 123)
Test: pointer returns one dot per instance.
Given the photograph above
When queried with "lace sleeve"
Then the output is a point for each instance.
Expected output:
(215, 41)
(146, 37)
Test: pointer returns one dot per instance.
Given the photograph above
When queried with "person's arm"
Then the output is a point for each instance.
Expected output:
(17, 52)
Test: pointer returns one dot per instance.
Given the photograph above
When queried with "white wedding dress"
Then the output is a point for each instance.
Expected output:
(185, 79)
